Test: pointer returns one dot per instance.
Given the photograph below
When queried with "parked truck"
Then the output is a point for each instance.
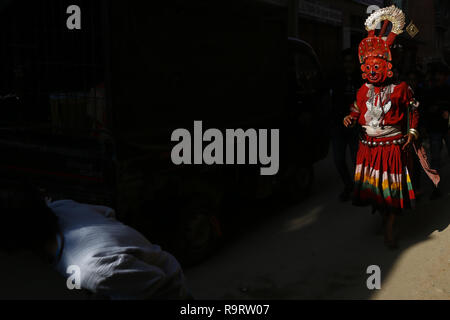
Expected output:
(96, 109)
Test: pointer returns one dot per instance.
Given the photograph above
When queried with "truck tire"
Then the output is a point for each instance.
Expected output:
(198, 231)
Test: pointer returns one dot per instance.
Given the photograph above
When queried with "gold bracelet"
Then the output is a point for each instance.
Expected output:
(414, 132)
(414, 104)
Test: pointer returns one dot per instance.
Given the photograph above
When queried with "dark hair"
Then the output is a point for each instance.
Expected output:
(26, 222)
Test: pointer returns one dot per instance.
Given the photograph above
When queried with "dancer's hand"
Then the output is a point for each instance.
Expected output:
(410, 138)
(348, 121)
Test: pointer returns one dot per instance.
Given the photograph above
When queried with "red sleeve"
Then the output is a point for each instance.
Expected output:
(357, 107)
(411, 107)
(355, 111)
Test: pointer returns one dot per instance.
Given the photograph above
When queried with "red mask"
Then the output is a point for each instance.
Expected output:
(375, 51)
(376, 70)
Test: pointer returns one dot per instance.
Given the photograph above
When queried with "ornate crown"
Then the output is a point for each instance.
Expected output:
(378, 46)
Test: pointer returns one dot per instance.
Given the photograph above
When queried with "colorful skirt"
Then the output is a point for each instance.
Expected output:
(382, 178)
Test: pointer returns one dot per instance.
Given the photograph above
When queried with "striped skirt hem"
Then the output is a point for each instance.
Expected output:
(382, 179)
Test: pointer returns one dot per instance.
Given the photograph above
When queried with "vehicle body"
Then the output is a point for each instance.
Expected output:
(103, 134)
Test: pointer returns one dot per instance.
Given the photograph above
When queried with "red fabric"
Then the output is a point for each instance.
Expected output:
(423, 158)
(382, 177)
(400, 99)
(374, 46)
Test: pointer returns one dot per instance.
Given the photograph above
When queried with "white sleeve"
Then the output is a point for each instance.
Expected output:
(104, 211)
(125, 277)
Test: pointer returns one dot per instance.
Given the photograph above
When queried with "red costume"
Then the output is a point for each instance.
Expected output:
(389, 117)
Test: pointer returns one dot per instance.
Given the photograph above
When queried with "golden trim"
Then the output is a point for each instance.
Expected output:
(412, 30)
(414, 132)
(414, 103)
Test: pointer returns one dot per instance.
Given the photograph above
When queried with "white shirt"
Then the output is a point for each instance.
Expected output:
(115, 260)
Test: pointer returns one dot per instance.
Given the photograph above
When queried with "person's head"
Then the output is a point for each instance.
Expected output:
(374, 51)
(27, 223)
(376, 70)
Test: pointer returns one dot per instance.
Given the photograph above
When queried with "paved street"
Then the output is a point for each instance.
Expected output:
(321, 249)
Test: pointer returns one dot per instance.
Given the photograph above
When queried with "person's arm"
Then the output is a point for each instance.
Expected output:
(414, 115)
(412, 107)
(354, 115)
(125, 277)
(355, 111)
(355, 108)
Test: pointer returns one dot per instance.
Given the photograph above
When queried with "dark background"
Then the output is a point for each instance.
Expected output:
(88, 115)
(96, 107)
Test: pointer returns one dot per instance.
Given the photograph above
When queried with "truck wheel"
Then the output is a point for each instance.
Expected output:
(198, 233)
